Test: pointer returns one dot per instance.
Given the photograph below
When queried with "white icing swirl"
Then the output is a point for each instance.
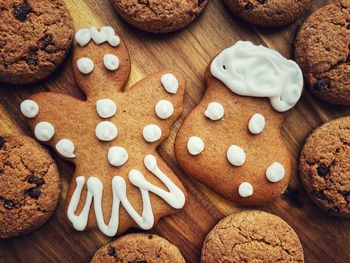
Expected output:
(195, 145)
(245, 189)
(170, 83)
(257, 71)
(66, 148)
(44, 131)
(106, 33)
(111, 62)
(151, 133)
(164, 109)
(215, 111)
(106, 108)
(256, 123)
(275, 172)
(29, 108)
(85, 65)
(117, 156)
(106, 131)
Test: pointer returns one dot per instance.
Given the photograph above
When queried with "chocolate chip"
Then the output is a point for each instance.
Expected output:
(322, 170)
(32, 179)
(1, 171)
(262, 1)
(45, 41)
(21, 11)
(150, 236)
(318, 194)
(34, 192)
(32, 58)
(322, 84)
(111, 251)
(2, 142)
(8, 204)
(249, 6)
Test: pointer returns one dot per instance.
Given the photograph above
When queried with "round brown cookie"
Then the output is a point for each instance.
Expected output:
(268, 13)
(159, 16)
(35, 37)
(29, 185)
(139, 248)
(325, 169)
(322, 51)
(252, 236)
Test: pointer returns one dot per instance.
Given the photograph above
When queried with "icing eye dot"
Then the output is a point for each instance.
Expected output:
(44, 131)
(106, 108)
(117, 156)
(195, 145)
(170, 83)
(106, 131)
(236, 155)
(245, 189)
(85, 65)
(224, 67)
(151, 133)
(66, 148)
(111, 62)
(275, 172)
(256, 123)
(215, 111)
(164, 109)
(29, 108)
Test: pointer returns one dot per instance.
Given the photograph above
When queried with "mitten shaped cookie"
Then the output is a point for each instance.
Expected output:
(232, 141)
(120, 181)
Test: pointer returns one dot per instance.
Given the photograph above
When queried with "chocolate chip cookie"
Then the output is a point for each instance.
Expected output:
(159, 16)
(35, 37)
(252, 236)
(325, 169)
(139, 248)
(29, 185)
(268, 13)
(322, 50)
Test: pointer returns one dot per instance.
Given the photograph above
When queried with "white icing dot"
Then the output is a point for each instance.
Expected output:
(111, 62)
(66, 148)
(29, 108)
(170, 83)
(215, 111)
(111, 37)
(117, 156)
(85, 65)
(98, 37)
(83, 36)
(164, 109)
(44, 131)
(195, 145)
(256, 123)
(275, 172)
(151, 133)
(245, 189)
(236, 155)
(106, 131)
(106, 108)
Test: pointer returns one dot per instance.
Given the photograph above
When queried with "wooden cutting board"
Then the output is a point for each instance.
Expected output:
(324, 238)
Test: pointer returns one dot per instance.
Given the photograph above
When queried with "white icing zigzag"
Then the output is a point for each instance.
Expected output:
(175, 198)
(106, 33)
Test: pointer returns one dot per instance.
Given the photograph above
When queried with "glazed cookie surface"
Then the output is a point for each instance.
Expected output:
(29, 185)
(322, 50)
(35, 37)
(139, 248)
(268, 13)
(159, 16)
(252, 236)
(324, 166)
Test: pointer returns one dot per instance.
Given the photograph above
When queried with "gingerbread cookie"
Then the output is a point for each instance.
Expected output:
(322, 50)
(159, 16)
(35, 37)
(324, 166)
(252, 236)
(112, 137)
(139, 248)
(29, 185)
(231, 141)
(268, 13)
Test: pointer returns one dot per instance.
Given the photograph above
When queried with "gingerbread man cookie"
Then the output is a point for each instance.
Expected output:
(231, 141)
(120, 181)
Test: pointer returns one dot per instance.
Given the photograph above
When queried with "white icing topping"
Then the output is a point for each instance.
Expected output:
(106, 108)
(111, 62)
(85, 65)
(195, 145)
(215, 111)
(170, 83)
(257, 71)
(275, 172)
(164, 109)
(29, 108)
(151, 133)
(175, 198)
(66, 148)
(245, 189)
(83, 36)
(106, 131)
(236, 155)
(106, 33)
(256, 123)
(44, 131)
(117, 156)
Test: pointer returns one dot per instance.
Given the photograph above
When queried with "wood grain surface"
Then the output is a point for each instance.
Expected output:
(324, 238)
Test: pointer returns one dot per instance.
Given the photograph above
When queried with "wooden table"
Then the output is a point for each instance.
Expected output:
(324, 238)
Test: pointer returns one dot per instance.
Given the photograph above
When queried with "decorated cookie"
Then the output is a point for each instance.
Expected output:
(268, 13)
(252, 236)
(232, 141)
(29, 185)
(35, 37)
(159, 16)
(139, 248)
(324, 166)
(322, 50)
(120, 180)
